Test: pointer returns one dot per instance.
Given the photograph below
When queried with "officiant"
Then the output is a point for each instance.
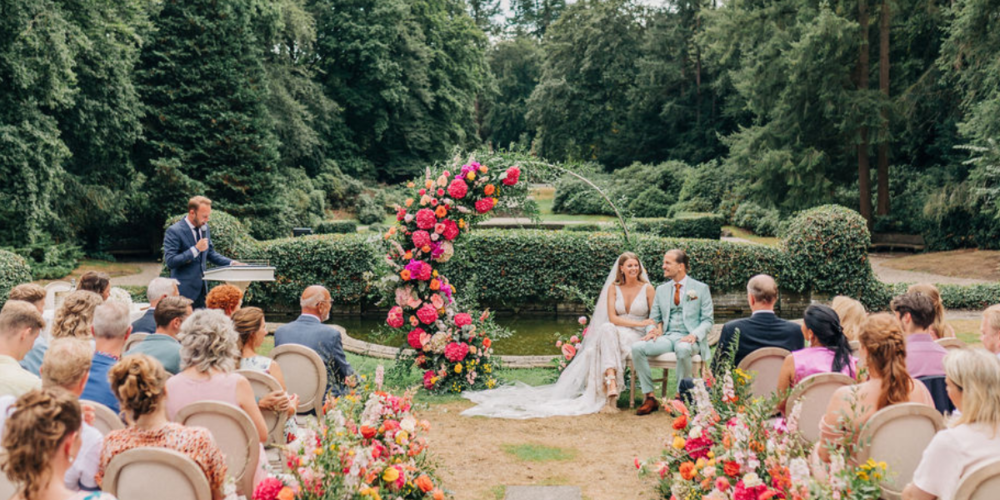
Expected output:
(187, 250)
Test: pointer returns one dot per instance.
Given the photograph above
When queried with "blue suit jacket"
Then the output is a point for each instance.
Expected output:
(145, 324)
(756, 332)
(185, 267)
(325, 340)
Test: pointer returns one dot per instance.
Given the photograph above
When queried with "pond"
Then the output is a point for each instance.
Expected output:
(534, 334)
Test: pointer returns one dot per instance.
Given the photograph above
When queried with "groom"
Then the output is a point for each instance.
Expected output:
(682, 310)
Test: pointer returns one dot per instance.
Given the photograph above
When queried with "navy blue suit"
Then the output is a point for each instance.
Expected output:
(325, 340)
(763, 329)
(185, 267)
(146, 323)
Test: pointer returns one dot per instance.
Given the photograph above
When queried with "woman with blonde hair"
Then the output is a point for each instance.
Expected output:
(138, 382)
(884, 349)
(250, 325)
(972, 377)
(851, 314)
(40, 440)
(939, 329)
(76, 315)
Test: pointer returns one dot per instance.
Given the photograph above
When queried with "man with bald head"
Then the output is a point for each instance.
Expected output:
(763, 328)
(308, 330)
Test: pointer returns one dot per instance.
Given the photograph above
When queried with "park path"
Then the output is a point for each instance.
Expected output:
(148, 271)
(891, 275)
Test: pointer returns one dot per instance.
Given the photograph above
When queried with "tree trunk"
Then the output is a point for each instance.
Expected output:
(697, 78)
(883, 78)
(864, 66)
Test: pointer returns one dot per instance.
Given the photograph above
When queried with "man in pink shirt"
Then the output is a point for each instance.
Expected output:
(924, 357)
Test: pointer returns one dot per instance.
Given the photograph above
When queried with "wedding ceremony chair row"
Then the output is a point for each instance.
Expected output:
(233, 432)
(898, 435)
(105, 419)
(814, 392)
(155, 474)
(980, 483)
(950, 343)
(264, 384)
(305, 375)
(765, 364)
(134, 339)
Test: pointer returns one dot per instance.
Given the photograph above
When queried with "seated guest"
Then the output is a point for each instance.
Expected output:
(111, 330)
(309, 330)
(67, 366)
(40, 439)
(226, 298)
(939, 329)
(138, 382)
(884, 350)
(208, 358)
(93, 281)
(989, 329)
(163, 345)
(762, 329)
(915, 312)
(249, 324)
(851, 314)
(829, 351)
(72, 319)
(29, 292)
(20, 324)
(158, 289)
(972, 376)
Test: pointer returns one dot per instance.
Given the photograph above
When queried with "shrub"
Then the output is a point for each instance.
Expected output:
(14, 270)
(50, 260)
(341, 190)
(762, 221)
(704, 186)
(654, 187)
(369, 210)
(336, 227)
(230, 237)
(586, 227)
(574, 196)
(706, 227)
(652, 203)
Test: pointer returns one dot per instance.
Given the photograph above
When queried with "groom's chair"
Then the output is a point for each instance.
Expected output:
(666, 361)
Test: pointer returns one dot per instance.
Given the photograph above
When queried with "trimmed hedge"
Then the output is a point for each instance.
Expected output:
(14, 270)
(976, 297)
(230, 237)
(336, 227)
(707, 227)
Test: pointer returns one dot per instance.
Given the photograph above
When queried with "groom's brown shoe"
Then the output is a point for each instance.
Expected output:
(648, 406)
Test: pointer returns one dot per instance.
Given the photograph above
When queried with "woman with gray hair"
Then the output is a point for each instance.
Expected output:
(208, 358)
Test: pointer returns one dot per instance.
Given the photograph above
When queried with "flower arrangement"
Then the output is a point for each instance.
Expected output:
(452, 347)
(570, 346)
(365, 445)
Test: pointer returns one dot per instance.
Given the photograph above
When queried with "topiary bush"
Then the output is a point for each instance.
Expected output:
(762, 221)
(50, 260)
(14, 270)
(336, 227)
(369, 210)
(652, 203)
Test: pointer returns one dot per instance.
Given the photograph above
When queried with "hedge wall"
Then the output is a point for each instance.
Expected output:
(336, 227)
(707, 227)
(14, 270)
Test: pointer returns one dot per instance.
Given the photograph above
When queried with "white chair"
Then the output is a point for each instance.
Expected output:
(50, 293)
(105, 419)
(950, 343)
(305, 375)
(134, 339)
(766, 362)
(814, 392)
(666, 361)
(264, 384)
(156, 474)
(233, 432)
(898, 435)
(980, 483)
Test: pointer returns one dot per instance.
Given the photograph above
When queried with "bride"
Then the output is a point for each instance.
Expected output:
(593, 379)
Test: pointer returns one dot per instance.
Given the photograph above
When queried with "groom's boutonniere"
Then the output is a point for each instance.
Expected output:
(691, 295)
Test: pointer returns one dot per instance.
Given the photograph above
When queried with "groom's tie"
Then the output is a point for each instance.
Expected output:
(677, 294)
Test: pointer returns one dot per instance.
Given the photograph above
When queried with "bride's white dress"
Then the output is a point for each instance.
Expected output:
(580, 388)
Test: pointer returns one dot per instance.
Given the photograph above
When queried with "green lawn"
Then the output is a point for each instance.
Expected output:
(747, 235)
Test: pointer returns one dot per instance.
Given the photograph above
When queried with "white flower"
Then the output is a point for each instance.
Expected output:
(752, 480)
(799, 470)
(120, 295)
(695, 432)
(691, 295)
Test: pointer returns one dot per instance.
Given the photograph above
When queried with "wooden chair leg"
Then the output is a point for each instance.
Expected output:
(666, 378)
(631, 392)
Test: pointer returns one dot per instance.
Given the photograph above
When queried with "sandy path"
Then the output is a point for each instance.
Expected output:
(891, 275)
(473, 463)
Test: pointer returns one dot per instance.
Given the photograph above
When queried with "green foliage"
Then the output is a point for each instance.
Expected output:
(652, 202)
(969, 60)
(50, 260)
(370, 210)
(229, 235)
(762, 221)
(706, 227)
(646, 190)
(336, 227)
(14, 270)
(535, 16)
(516, 67)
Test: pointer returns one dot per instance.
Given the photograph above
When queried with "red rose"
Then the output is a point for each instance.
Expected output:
(367, 432)
(427, 314)
(400, 214)
(414, 338)
(732, 469)
(450, 230)
(462, 319)
(421, 238)
(513, 173)
(458, 189)
(426, 218)
(428, 375)
(484, 205)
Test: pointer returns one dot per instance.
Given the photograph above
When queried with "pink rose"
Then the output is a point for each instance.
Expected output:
(439, 228)
(456, 351)
(482, 206)
(395, 318)
(427, 314)
(414, 338)
(404, 295)
(458, 189)
(421, 238)
(558, 343)
(513, 173)
(440, 192)
(568, 351)
(582, 320)
(268, 489)
(426, 218)
(450, 229)
(462, 319)
(428, 375)
(574, 340)
(437, 301)
(400, 214)
(425, 338)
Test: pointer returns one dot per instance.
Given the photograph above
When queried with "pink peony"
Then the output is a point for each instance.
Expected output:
(574, 340)
(456, 351)
(427, 314)
(428, 383)
(421, 238)
(482, 206)
(437, 301)
(450, 229)
(404, 295)
(462, 319)
(268, 489)
(513, 173)
(439, 228)
(582, 320)
(458, 189)
(426, 218)
(395, 318)
(419, 270)
(568, 351)
(414, 338)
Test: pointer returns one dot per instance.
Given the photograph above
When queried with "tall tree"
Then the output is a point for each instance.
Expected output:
(864, 67)
(883, 79)
(515, 65)
(207, 128)
(482, 13)
(535, 16)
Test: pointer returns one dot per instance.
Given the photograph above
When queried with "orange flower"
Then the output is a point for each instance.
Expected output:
(424, 483)
(425, 249)
(435, 285)
(489, 189)
(405, 274)
(441, 211)
(487, 343)
(408, 255)
(688, 471)
(706, 484)
(680, 422)
(438, 494)
(409, 202)
(286, 493)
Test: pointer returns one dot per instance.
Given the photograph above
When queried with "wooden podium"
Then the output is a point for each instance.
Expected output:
(241, 276)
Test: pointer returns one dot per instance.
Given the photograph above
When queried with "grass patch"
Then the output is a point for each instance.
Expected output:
(114, 269)
(747, 235)
(967, 330)
(538, 453)
(498, 492)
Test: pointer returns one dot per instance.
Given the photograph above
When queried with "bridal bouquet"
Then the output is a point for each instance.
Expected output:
(365, 445)
(452, 347)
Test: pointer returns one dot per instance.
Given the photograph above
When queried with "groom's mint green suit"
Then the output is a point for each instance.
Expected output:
(694, 316)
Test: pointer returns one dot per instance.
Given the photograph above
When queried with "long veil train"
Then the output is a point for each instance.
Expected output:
(578, 391)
